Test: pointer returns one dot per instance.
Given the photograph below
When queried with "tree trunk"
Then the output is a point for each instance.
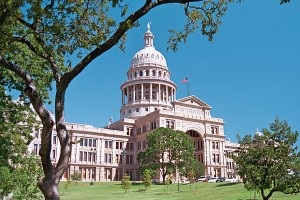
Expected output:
(49, 188)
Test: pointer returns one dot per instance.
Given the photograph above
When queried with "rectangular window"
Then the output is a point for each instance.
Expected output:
(144, 128)
(90, 142)
(153, 125)
(54, 139)
(85, 156)
(53, 154)
(81, 142)
(138, 131)
(108, 144)
(80, 156)
(94, 142)
(86, 142)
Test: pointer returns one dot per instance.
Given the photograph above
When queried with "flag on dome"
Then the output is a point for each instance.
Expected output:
(185, 80)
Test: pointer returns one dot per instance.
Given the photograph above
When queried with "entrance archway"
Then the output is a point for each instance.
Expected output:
(198, 144)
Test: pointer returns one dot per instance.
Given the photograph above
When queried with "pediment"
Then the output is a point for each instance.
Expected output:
(192, 101)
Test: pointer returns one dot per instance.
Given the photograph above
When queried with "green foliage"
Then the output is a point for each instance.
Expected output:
(193, 170)
(67, 185)
(167, 151)
(270, 162)
(126, 183)
(76, 176)
(22, 180)
(146, 179)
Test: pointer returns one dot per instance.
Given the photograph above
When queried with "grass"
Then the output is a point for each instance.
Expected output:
(197, 191)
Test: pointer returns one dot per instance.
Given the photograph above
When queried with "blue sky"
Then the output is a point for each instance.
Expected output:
(249, 74)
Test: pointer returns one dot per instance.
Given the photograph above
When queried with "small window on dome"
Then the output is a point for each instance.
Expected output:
(135, 74)
(147, 72)
(142, 56)
(159, 74)
(152, 56)
(153, 72)
(141, 73)
(147, 55)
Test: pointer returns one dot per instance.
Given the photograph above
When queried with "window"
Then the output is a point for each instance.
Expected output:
(139, 131)
(108, 144)
(141, 73)
(107, 158)
(85, 156)
(146, 109)
(119, 145)
(129, 146)
(129, 111)
(137, 110)
(54, 140)
(144, 128)
(214, 130)
(129, 131)
(80, 155)
(153, 125)
(153, 72)
(94, 142)
(129, 159)
(170, 124)
(147, 72)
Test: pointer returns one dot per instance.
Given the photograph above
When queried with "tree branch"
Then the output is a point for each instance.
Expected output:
(47, 57)
(123, 27)
(42, 112)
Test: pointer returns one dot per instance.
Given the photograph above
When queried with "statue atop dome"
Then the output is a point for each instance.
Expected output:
(148, 26)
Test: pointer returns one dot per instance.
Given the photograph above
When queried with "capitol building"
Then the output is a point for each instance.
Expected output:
(148, 102)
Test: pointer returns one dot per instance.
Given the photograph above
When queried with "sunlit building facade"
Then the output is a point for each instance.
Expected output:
(148, 102)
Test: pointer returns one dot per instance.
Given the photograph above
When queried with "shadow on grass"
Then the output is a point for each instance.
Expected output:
(226, 184)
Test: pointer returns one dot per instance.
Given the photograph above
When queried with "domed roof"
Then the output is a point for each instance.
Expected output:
(148, 55)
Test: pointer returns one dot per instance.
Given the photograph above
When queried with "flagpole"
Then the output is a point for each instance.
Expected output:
(188, 88)
(187, 85)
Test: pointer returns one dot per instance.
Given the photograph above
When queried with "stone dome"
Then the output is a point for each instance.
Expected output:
(148, 55)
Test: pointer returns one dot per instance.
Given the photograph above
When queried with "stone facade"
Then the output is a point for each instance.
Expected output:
(148, 102)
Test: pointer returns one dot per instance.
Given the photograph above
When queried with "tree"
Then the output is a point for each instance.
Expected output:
(49, 43)
(269, 162)
(146, 179)
(19, 171)
(76, 177)
(167, 151)
(21, 180)
(126, 183)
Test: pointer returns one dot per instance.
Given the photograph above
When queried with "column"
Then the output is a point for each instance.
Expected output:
(150, 91)
(174, 94)
(127, 93)
(158, 93)
(122, 96)
(167, 93)
(133, 91)
(142, 91)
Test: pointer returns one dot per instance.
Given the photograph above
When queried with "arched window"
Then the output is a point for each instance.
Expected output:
(147, 72)
(135, 74)
(159, 74)
(153, 72)
(141, 73)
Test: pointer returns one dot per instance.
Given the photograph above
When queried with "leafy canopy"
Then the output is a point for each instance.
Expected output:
(167, 150)
(270, 162)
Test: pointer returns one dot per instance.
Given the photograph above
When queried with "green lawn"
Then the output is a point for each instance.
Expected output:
(113, 190)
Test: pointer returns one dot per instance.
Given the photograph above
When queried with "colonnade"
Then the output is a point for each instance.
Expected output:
(148, 91)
